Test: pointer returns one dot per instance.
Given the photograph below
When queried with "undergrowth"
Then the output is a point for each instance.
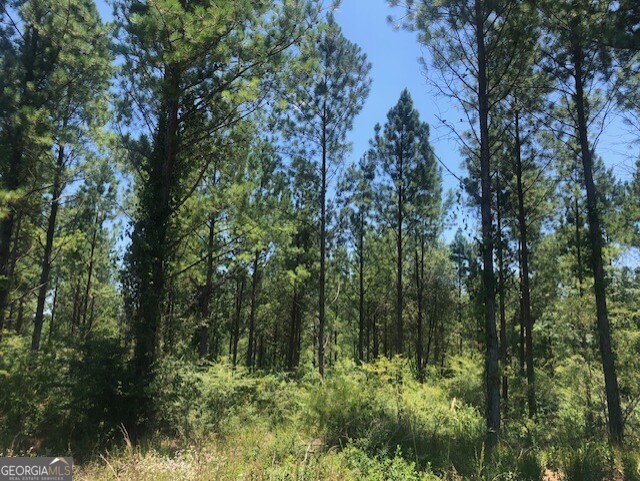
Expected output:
(362, 422)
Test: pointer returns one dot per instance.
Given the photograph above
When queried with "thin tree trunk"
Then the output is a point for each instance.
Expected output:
(236, 319)
(323, 244)
(6, 229)
(460, 306)
(578, 246)
(75, 315)
(376, 339)
(274, 357)
(87, 290)
(525, 290)
(20, 320)
(385, 337)
(255, 279)
(492, 372)
(91, 314)
(53, 313)
(45, 269)
(361, 294)
(291, 351)
(521, 337)
(399, 260)
(501, 300)
(207, 292)
(616, 429)
(419, 274)
(368, 335)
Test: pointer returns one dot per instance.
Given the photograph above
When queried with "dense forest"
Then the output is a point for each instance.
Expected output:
(201, 279)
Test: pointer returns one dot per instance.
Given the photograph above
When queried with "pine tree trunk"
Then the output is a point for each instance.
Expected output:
(207, 292)
(580, 267)
(236, 319)
(45, 269)
(361, 294)
(492, 372)
(15, 177)
(525, 290)
(53, 313)
(6, 229)
(291, 351)
(376, 338)
(419, 275)
(501, 300)
(255, 279)
(323, 245)
(399, 260)
(149, 245)
(616, 429)
(87, 290)
(75, 315)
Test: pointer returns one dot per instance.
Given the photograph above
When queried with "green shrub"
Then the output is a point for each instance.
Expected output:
(385, 467)
(193, 401)
(63, 398)
(630, 464)
(587, 462)
(35, 408)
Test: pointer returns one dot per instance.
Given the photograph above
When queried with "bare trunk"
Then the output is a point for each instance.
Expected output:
(236, 319)
(87, 290)
(48, 249)
(292, 356)
(53, 313)
(616, 429)
(501, 291)
(419, 274)
(492, 372)
(525, 290)
(399, 260)
(323, 246)
(361, 295)
(255, 279)
(376, 339)
(207, 292)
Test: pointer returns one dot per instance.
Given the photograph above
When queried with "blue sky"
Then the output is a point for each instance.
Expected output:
(394, 56)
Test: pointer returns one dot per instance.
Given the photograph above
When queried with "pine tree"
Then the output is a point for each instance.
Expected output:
(476, 46)
(192, 70)
(411, 179)
(326, 90)
(578, 63)
(49, 63)
(356, 194)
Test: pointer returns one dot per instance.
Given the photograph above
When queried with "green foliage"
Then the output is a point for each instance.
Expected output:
(383, 468)
(587, 462)
(68, 398)
(193, 402)
(232, 120)
(35, 396)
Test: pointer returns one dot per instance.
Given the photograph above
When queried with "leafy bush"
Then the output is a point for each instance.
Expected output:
(383, 467)
(63, 398)
(587, 462)
(35, 406)
(195, 401)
